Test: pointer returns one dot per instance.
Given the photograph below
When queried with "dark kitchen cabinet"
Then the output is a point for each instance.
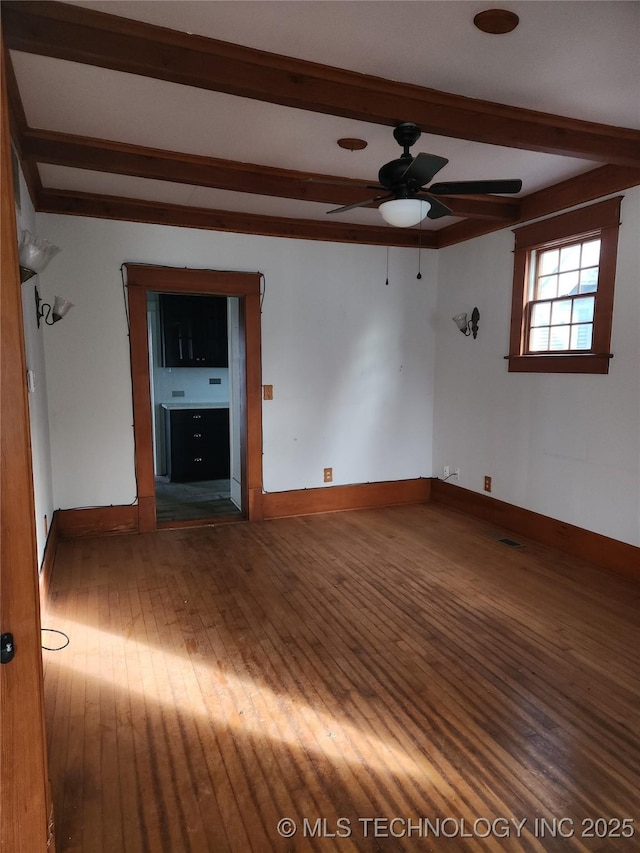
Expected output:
(197, 444)
(194, 331)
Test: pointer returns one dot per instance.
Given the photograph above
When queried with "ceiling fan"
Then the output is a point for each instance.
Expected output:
(408, 200)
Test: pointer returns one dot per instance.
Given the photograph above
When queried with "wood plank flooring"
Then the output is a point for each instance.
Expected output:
(384, 664)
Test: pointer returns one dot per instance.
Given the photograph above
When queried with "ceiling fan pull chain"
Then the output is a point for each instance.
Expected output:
(387, 281)
(419, 276)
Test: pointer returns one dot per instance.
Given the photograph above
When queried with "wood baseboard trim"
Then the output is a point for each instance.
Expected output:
(48, 560)
(97, 521)
(338, 498)
(609, 554)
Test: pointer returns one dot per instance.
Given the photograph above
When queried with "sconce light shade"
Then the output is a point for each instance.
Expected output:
(468, 327)
(35, 253)
(60, 308)
(404, 212)
(50, 315)
(461, 322)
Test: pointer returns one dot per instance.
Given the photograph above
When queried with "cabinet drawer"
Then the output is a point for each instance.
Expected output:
(198, 444)
(199, 467)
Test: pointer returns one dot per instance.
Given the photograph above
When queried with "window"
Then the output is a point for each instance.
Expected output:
(563, 284)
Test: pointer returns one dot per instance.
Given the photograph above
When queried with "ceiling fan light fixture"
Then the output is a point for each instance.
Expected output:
(404, 212)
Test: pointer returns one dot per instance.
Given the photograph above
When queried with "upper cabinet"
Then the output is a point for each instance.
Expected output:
(194, 331)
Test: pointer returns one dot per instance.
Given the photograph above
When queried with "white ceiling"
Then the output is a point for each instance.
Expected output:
(573, 58)
(577, 59)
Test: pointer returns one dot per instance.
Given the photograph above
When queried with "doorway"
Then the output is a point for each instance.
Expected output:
(194, 364)
(228, 408)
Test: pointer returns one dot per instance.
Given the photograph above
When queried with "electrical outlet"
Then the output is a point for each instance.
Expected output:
(445, 471)
(46, 525)
(487, 484)
(328, 475)
(456, 473)
(267, 392)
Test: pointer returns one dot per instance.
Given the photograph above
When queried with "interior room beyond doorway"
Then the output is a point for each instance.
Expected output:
(194, 368)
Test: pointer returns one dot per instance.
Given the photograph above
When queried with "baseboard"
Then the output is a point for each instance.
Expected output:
(48, 559)
(74, 523)
(610, 554)
(337, 498)
(97, 521)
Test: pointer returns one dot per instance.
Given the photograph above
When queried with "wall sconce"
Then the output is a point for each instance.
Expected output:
(35, 254)
(468, 327)
(50, 315)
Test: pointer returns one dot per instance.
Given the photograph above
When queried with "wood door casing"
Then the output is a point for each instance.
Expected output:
(25, 807)
(142, 278)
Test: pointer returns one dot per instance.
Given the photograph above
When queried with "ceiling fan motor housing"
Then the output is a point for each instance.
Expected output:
(391, 174)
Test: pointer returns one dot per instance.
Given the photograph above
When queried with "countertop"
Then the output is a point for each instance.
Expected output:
(172, 406)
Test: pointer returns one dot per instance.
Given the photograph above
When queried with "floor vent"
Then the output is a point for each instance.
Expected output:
(511, 543)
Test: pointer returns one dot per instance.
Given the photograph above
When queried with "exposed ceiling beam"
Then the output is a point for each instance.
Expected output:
(84, 35)
(101, 155)
(136, 210)
(597, 183)
(574, 191)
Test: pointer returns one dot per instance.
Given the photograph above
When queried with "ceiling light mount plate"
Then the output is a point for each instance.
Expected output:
(496, 21)
(352, 144)
(407, 134)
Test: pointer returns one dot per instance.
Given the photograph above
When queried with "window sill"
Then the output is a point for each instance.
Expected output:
(566, 363)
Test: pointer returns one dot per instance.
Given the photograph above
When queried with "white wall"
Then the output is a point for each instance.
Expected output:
(35, 358)
(566, 446)
(351, 360)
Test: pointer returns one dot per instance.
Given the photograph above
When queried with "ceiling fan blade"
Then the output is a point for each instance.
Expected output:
(438, 209)
(476, 187)
(422, 168)
(366, 203)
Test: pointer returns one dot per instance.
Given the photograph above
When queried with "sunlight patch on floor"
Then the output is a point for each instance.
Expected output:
(244, 706)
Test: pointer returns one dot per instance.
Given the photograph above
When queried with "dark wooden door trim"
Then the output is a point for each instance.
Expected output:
(25, 806)
(142, 278)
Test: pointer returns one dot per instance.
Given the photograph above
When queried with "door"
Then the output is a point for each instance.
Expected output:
(24, 808)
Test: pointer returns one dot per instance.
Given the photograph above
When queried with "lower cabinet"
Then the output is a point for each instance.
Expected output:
(197, 444)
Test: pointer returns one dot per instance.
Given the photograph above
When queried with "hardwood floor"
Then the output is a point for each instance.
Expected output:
(392, 663)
